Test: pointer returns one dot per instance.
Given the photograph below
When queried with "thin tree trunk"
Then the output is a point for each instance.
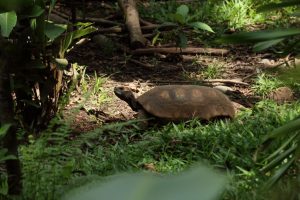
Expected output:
(10, 140)
(137, 40)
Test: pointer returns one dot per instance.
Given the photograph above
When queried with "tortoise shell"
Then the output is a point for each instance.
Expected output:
(183, 102)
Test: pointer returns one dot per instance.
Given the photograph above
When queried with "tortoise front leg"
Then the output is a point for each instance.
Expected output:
(144, 116)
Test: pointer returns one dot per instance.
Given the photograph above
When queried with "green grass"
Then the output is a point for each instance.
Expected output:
(212, 70)
(59, 157)
(264, 84)
(229, 13)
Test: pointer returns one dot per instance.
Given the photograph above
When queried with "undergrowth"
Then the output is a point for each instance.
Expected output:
(53, 162)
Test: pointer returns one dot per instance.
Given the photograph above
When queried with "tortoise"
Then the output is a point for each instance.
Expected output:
(178, 103)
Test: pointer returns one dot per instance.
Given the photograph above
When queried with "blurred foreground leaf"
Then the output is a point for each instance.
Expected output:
(197, 183)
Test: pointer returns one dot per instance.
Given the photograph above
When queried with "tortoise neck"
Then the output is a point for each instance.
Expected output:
(133, 104)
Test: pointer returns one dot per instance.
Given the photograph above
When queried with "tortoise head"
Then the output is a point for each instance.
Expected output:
(126, 94)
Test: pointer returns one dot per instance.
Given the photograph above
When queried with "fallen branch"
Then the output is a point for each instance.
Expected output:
(146, 65)
(205, 82)
(231, 81)
(146, 23)
(158, 26)
(99, 20)
(174, 50)
(115, 29)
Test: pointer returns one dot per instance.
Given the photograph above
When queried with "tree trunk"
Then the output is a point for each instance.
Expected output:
(137, 40)
(10, 140)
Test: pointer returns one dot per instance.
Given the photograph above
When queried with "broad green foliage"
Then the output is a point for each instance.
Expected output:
(8, 21)
(82, 30)
(198, 183)
(34, 50)
(183, 19)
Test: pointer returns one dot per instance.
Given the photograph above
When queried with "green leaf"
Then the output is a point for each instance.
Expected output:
(274, 6)
(183, 10)
(8, 21)
(3, 129)
(70, 37)
(82, 32)
(266, 44)
(202, 26)
(52, 31)
(155, 38)
(198, 183)
(259, 36)
(35, 11)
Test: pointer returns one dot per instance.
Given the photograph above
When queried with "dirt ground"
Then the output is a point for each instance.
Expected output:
(239, 64)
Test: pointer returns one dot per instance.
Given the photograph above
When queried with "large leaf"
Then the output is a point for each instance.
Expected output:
(259, 36)
(183, 10)
(266, 44)
(8, 21)
(198, 183)
(274, 6)
(202, 26)
(52, 31)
